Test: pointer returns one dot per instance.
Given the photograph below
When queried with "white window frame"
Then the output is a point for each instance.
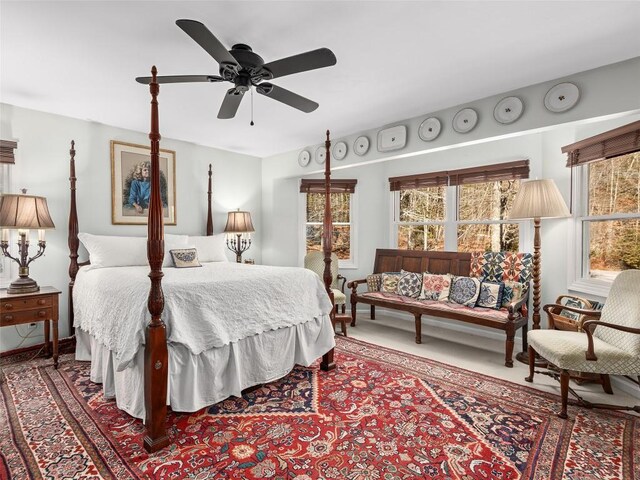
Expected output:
(578, 254)
(352, 262)
(8, 265)
(451, 222)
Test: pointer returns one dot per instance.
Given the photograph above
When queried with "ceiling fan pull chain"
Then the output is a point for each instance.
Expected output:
(251, 108)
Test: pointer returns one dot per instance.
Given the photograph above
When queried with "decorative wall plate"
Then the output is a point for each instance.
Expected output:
(429, 129)
(339, 150)
(361, 145)
(508, 110)
(393, 138)
(321, 155)
(561, 97)
(465, 120)
(303, 158)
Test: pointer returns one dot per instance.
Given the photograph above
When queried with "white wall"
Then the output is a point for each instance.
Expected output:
(610, 96)
(42, 166)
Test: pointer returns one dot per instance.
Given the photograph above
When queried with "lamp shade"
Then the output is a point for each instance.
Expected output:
(24, 211)
(239, 222)
(538, 199)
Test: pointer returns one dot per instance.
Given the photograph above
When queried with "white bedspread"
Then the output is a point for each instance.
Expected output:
(205, 307)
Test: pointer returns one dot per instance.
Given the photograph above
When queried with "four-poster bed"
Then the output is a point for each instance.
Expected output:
(161, 363)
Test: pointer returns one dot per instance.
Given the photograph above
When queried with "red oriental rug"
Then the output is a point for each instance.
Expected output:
(381, 414)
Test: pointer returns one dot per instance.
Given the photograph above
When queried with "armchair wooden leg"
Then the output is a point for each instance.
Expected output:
(373, 312)
(353, 311)
(344, 307)
(606, 383)
(564, 392)
(532, 364)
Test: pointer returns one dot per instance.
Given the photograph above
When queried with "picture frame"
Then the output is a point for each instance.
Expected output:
(130, 186)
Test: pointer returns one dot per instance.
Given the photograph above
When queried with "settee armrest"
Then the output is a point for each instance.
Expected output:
(515, 308)
(353, 285)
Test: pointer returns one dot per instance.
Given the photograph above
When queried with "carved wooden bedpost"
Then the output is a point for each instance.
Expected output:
(73, 241)
(209, 213)
(155, 352)
(327, 231)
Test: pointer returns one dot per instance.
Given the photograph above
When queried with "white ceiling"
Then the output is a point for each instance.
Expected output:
(396, 60)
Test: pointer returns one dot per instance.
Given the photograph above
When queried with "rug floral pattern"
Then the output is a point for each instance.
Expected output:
(381, 415)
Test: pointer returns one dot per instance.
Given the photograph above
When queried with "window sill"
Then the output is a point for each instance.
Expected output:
(591, 287)
(347, 266)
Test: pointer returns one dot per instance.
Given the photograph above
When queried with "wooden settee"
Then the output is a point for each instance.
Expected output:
(456, 263)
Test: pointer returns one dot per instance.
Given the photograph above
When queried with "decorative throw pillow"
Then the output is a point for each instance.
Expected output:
(185, 258)
(410, 284)
(173, 242)
(490, 295)
(465, 291)
(374, 282)
(513, 291)
(435, 286)
(390, 282)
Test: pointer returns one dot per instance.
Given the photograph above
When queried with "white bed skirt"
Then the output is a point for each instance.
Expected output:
(196, 381)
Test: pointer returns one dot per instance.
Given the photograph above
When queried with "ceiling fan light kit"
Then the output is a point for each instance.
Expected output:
(246, 69)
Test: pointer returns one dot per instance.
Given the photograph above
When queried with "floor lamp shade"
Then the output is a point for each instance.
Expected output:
(538, 199)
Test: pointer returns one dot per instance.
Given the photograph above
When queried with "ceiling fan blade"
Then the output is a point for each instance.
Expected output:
(207, 40)
(287, 97)
(230, 103)
(322, 57)
(181, 79)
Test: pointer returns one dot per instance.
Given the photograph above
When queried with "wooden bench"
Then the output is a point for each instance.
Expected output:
(456, 263)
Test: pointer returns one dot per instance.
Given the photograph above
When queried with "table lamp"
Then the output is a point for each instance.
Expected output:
(239, 226)
(24, 212)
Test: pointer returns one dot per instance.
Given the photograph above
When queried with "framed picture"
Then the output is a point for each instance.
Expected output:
(131, 187)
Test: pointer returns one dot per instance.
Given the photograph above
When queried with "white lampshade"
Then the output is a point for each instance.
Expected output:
(538, 199)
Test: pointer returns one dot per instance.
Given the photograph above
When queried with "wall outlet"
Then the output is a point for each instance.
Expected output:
(33, 325)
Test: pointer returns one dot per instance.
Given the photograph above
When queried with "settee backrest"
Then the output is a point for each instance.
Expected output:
(419, 261)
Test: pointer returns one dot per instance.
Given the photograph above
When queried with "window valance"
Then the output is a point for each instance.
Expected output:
(486, 173)
(6, 151)
(616, 142)
(335, 186)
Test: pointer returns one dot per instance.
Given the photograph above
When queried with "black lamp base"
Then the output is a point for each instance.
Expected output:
(523, 357)
(23, 285)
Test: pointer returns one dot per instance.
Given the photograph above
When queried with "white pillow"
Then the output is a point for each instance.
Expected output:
(211, 248)
(114, 251)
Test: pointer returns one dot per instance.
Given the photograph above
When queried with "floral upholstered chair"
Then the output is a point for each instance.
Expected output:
(315, 261)
(610, 345)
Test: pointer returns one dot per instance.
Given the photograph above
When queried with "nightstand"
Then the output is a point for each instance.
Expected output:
(34, 307)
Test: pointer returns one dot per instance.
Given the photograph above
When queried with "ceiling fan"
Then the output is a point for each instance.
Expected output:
(245, 69)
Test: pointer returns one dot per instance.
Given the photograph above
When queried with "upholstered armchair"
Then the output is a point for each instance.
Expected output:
(315, 261)
(609, 344)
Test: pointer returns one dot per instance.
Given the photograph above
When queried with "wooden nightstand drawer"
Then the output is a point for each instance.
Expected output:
(26, 316)
(25, 304)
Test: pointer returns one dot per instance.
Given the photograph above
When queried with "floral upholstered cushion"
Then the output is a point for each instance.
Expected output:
(390, 282)
(185, 258)
(502, 266)
(465, 291)
(513, 291)
(374, 282)
(490, 295)
(410, 284)
(435, 286)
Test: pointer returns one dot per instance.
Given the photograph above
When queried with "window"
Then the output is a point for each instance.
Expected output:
(421, 218)
(464, 210)
(7, 159)
(342, 205)
(610, 220)
(606, 204)
(483, 210)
